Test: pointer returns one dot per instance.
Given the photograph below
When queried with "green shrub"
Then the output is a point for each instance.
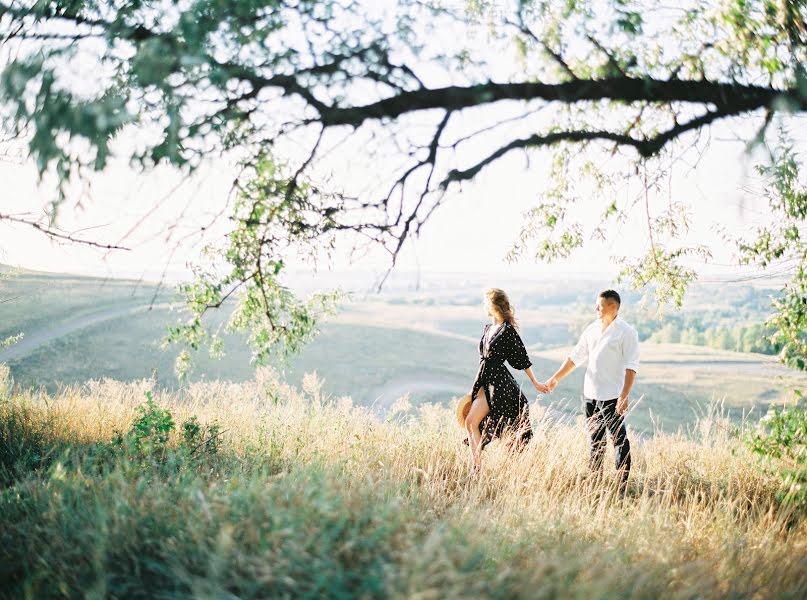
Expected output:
(199, 439)
(781, 440)
(150, 434)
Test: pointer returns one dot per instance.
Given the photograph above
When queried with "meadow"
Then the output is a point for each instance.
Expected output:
(295, 493)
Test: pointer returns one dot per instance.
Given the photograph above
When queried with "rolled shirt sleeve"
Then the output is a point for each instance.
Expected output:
(630, 350)
(579, 353)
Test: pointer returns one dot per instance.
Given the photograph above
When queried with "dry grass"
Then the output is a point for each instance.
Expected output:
(312, 496)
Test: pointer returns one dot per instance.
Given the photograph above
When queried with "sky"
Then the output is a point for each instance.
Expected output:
(158, 214)
(472, 232)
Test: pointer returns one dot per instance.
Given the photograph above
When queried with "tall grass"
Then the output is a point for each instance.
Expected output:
(311, 496)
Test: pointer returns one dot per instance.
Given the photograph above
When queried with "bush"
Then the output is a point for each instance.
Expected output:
(150, 434)
(781, 440)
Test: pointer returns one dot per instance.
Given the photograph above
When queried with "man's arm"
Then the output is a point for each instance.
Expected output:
(566, 368)
(630, 350)
(576, 357)
(622, 403)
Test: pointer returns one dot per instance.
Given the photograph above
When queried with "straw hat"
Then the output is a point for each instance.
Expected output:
(463, 408)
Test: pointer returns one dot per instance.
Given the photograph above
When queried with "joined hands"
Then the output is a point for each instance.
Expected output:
(548, 387)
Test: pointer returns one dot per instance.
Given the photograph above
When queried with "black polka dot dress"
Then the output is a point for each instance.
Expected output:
(508, 406)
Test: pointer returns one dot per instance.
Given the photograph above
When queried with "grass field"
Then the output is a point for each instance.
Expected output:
(332, 485)
(304, 496)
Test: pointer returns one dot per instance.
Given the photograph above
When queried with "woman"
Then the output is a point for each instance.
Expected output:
(498, 405)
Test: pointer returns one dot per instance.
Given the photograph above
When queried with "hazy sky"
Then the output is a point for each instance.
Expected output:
(471, 232)
(157, 215)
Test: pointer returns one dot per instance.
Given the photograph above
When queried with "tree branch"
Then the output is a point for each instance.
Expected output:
(431, 159)
(726, 97)
(556, 56)
(645, 147)
(58, 235)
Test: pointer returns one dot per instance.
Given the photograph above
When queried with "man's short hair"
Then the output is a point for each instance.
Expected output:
(611, 295)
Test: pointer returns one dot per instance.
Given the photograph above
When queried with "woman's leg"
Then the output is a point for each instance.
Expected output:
(479, 409)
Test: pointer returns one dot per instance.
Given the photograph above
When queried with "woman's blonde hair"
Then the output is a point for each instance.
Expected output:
(500, 304)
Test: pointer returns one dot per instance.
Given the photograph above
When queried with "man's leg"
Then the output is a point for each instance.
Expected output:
(596, 435)
(619, 434)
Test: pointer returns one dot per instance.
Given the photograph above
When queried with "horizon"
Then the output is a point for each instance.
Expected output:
(402, 277)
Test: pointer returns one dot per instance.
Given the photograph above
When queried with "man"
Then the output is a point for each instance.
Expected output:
(611, 347)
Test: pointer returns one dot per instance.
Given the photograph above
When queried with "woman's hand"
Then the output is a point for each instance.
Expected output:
(541, 387)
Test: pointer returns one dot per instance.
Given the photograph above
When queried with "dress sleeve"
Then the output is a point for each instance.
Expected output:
(514, 350)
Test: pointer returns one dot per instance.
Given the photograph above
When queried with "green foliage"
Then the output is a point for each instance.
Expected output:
(273, 212)
(783, 242)
(781, 440)
(201, 440)
(665, 269)
(10, 340)
(630, 22)
(53, 109)
(153, 72)
(678, 329)
(149, 437)
(552, 230)
(248, 79)
(547, 232)
(661, 272)
(555, 245)
(150, 432)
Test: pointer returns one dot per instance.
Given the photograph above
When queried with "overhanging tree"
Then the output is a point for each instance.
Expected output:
(417, 86)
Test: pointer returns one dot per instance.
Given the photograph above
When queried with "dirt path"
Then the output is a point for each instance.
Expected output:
(40, 337)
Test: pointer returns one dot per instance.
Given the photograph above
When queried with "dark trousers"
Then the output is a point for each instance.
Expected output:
(602, 415)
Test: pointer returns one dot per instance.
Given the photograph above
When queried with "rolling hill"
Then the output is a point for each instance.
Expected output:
(79, 329)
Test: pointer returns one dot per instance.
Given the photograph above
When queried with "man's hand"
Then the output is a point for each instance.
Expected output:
(551, 384)
(541, 387)
(622, 405)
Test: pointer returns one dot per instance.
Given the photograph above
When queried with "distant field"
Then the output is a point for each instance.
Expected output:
(375, 352)
(36, 300)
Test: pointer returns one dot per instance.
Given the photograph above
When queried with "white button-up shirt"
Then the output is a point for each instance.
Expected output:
(608, 353)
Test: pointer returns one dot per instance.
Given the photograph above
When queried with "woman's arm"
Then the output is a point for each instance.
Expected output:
(538, 385)
(516, 354)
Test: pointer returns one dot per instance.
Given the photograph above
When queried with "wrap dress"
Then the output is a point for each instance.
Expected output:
(509, 410)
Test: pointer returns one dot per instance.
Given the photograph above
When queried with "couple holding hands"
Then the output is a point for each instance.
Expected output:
(497, 406)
